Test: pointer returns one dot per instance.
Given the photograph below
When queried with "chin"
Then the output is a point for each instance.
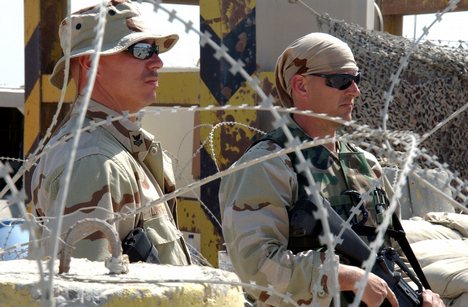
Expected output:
(346, 118)
(148, 100)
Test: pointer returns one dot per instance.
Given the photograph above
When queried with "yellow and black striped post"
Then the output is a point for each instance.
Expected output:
(32, 80)
(230, 24)
(42, 50)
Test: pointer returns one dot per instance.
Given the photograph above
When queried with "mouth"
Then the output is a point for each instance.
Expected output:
(347, 103)
(152, 81)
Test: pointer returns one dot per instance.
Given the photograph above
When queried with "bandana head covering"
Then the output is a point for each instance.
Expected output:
(313, 53)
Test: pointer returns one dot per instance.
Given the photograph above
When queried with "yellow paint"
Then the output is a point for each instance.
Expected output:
(243, 117)
(32, 13)
(51, 94)
(244, 95)
(136, 295)
(206, 98)
(206, 117)
(32, 16)
(222, 16)
(232, 15)
(194, 295)
(32, 113)
(176, 88)
(418, 195)
(12, 295)
(192, 218)
(210, 10)
(179, 88)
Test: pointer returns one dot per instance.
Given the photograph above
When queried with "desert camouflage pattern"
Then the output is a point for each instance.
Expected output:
(118, 167)
(254, 204)
(311, 54)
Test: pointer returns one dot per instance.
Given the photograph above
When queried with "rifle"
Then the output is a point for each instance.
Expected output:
(305, 229)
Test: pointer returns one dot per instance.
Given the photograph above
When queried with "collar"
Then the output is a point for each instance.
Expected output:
(134, 138)
(303, 136)
(298, 131)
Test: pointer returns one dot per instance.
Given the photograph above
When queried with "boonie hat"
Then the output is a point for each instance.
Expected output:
(124, 27)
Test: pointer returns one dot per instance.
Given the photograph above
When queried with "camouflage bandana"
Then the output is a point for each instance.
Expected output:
(313, 53)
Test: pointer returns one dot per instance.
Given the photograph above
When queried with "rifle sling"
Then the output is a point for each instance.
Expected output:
(399, 235)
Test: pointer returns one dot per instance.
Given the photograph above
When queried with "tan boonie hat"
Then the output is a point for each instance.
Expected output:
(125, 26)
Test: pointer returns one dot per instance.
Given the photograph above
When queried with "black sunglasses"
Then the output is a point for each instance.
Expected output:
(340, 81)
(143, 51)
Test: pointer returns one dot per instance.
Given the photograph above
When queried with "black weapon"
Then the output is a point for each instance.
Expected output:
(305, 229)
(138, 247)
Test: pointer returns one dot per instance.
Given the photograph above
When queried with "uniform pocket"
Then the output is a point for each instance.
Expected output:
(168, 240)
(161, 230)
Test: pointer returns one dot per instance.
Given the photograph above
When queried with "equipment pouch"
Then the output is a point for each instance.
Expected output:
(139, 248)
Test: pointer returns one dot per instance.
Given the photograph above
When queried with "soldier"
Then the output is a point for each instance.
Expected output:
(118, 167)
(318, 73)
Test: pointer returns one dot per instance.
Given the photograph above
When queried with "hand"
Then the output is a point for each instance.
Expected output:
(376, 290)
(431, 299)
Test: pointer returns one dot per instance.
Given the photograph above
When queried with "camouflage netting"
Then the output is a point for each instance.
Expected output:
(431, 88)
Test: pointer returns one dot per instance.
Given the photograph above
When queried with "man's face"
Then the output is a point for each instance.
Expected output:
(321, 98)
(125, 83)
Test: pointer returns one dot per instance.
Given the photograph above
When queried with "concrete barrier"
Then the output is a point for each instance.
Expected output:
(89, 283)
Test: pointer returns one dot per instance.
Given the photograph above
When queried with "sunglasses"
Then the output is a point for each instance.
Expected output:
(340, 81)
(143, 51)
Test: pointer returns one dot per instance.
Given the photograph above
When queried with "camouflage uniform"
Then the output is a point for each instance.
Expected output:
(118, 168)
(255, 203)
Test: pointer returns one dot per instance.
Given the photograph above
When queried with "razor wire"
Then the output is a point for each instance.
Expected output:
(267, 104)
(59, 205)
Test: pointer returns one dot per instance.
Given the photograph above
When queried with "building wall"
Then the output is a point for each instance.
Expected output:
(280, 22)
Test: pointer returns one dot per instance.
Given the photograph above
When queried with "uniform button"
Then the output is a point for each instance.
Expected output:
(154, 151)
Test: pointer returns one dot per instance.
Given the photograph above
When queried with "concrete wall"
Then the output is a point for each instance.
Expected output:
(90, 284)
(280, 22)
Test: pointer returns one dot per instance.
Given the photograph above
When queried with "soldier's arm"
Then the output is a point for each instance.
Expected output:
(99, 187)
(256, 230)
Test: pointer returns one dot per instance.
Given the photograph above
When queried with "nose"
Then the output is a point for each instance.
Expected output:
(354, 90)
(155, 62)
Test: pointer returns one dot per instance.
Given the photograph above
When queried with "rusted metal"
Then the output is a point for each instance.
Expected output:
(393, 24)
(405, 7)
(188, 2)
(82, 229)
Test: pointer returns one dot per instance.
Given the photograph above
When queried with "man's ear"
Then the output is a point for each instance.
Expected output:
(84, 62)
(80, 68)
(298, 86)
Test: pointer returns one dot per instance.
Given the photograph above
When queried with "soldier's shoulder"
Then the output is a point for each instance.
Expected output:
(266, 145)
